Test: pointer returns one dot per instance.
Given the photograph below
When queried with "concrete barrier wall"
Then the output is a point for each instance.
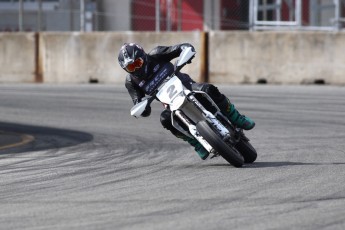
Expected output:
(17, 57)
(81, 57)
(234, 56)
(277, 57)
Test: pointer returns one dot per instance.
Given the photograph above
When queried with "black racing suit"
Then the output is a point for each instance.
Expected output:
(156, 67)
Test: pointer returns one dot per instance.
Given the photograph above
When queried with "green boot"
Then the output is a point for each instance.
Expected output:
(202, 152)
(229, 110)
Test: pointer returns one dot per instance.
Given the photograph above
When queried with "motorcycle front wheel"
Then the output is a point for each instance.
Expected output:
(230, 154)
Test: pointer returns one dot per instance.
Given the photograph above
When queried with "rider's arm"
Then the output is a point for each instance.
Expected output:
(167, 53)
(136, 94)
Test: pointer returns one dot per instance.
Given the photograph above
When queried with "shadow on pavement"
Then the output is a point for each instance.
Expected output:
(44, 137)
(284, 163)
(260, 164)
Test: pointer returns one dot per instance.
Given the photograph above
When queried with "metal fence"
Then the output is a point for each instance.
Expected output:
(170, 15)
(297, 14)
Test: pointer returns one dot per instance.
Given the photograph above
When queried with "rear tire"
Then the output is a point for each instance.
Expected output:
(230, 154)
(247, 150)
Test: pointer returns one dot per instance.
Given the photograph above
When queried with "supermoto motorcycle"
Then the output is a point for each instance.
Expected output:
(196, 115)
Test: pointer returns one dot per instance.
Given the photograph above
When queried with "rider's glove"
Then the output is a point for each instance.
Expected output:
(186, 45)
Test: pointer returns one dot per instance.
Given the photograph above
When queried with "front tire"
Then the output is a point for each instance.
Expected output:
(230, 154)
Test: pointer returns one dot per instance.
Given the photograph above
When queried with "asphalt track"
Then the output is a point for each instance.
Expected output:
(92, 166)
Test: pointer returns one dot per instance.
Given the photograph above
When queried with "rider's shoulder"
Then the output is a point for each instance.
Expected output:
(157, 50)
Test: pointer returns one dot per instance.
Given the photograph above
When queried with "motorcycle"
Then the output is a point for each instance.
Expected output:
(196, 115)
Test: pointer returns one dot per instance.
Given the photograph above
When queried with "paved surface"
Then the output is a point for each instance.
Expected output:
(92, 166)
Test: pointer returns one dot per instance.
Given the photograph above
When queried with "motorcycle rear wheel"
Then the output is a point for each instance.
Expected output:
(247, 150)
(230, 154)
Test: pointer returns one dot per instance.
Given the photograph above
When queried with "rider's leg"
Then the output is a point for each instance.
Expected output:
(166, 122)
(225, 106)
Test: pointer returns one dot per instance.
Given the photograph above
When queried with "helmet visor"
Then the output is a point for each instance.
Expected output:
(137, 64)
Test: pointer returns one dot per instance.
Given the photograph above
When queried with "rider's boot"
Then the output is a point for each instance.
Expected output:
(202, 152)
(229, 110)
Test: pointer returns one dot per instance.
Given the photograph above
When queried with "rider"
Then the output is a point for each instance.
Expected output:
(143, 70)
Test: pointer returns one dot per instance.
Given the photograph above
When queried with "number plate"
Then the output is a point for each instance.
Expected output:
(170, 90)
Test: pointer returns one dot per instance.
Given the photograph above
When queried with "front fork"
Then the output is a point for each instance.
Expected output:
(192, 129)
(223, 131)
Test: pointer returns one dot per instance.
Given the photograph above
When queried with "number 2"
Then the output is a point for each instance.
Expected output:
(171, 91)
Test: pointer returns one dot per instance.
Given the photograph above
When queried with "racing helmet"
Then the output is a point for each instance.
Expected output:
(132, 58)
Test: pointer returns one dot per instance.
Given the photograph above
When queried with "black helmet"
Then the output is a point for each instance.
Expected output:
(132, 58)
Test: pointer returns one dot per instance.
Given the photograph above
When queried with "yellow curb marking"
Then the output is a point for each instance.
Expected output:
(25, 139)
